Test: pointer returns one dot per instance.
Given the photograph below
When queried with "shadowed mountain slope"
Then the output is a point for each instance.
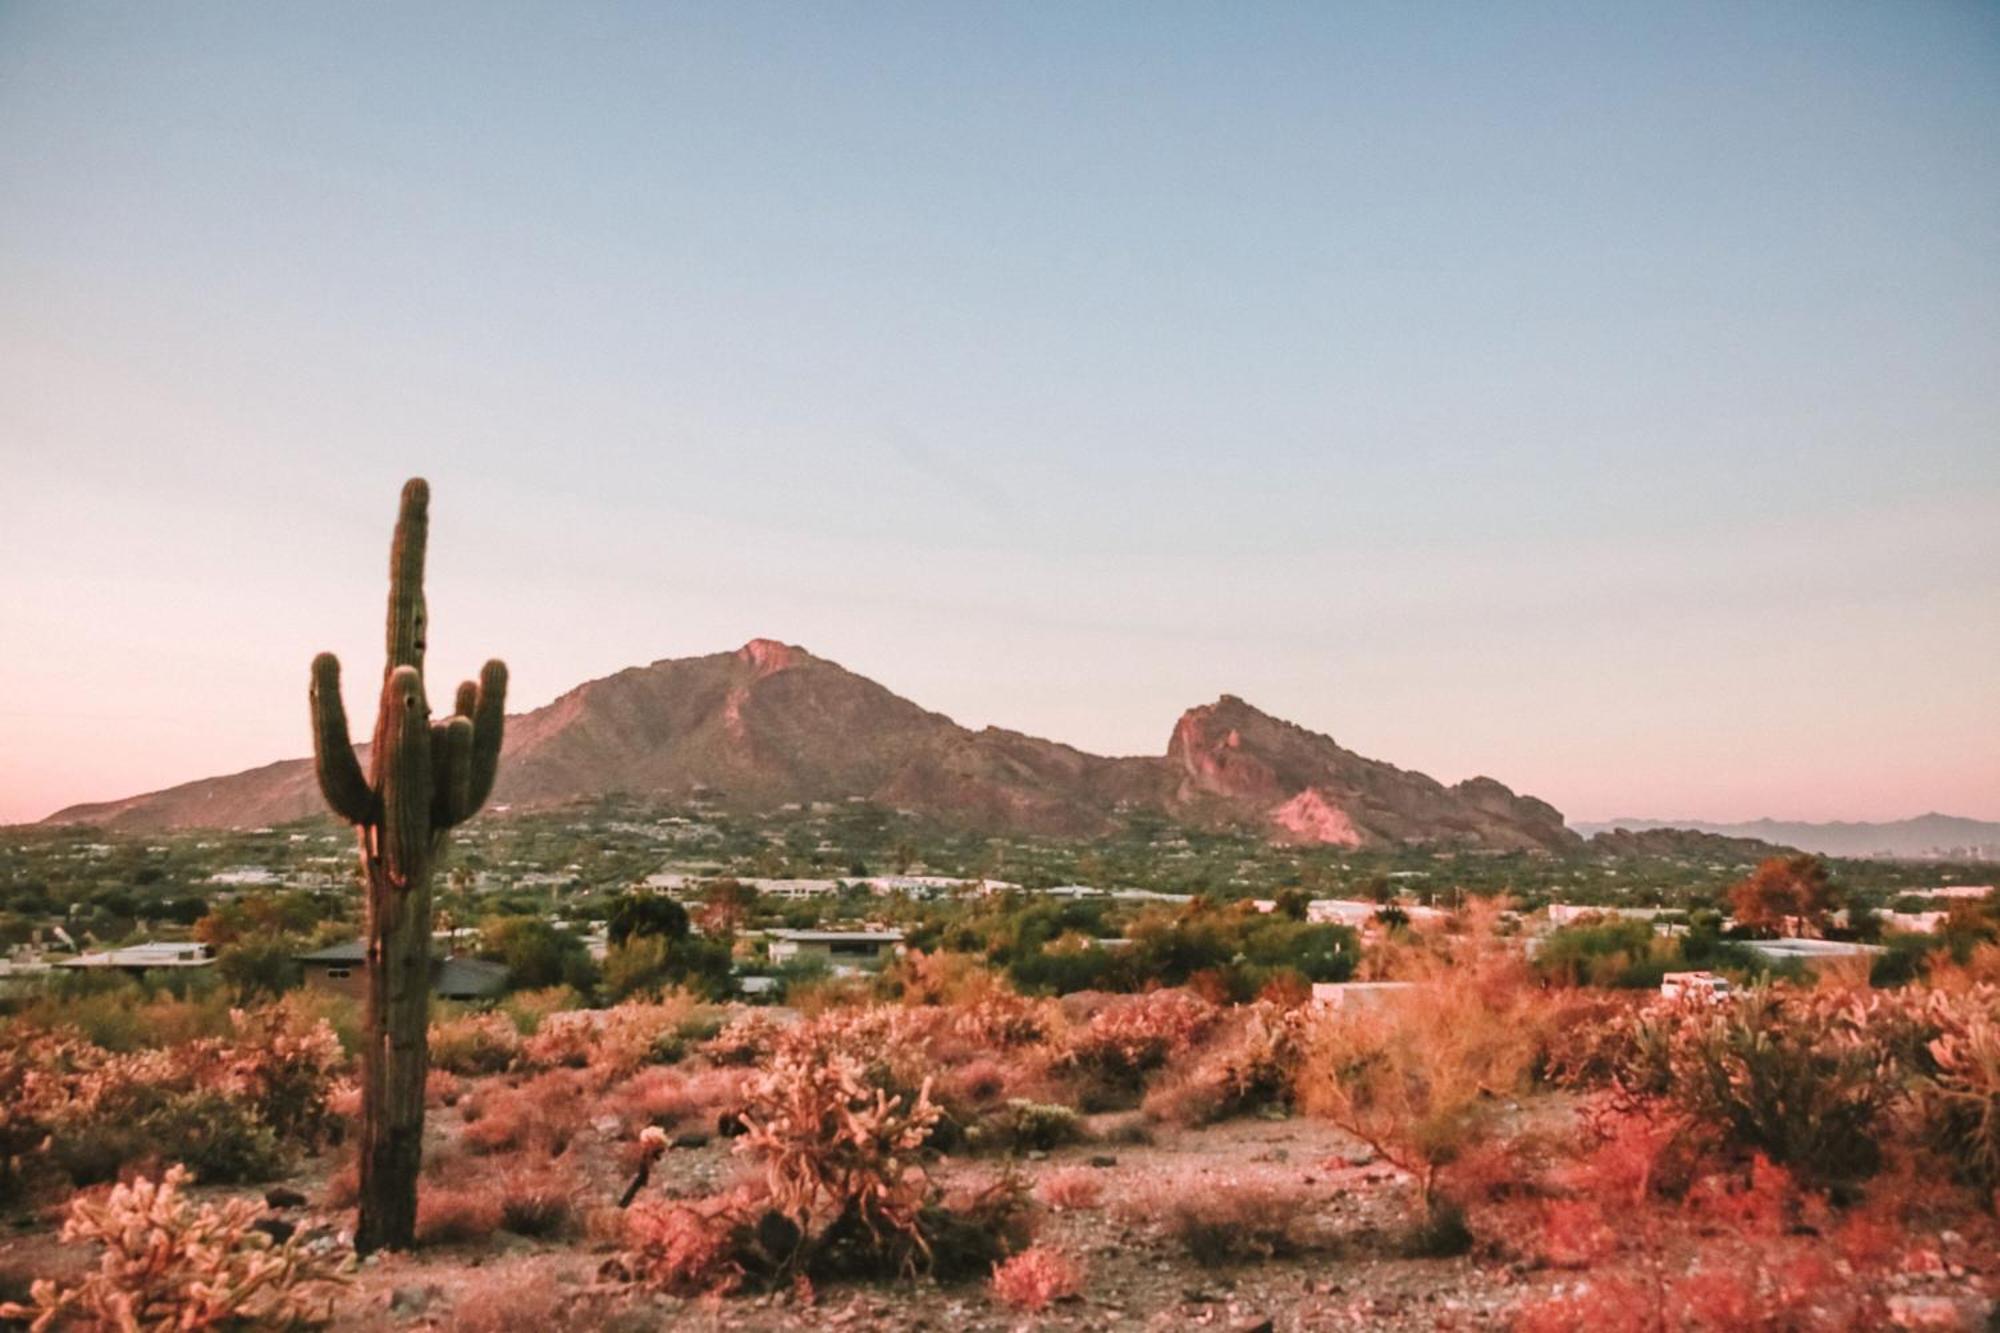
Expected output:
(770, 724)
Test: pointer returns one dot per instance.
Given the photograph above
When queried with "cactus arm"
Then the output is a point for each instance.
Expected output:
(340, 777)
(451, 758)
(467, 702)
(403, 776)
(408, 624)
(489, 723)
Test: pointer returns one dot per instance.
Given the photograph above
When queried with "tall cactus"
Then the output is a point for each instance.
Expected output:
(423, 778)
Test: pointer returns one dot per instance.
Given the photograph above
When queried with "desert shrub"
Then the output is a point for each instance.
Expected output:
(1805, 1077)
(688, 1247)
(1223, 1220)
(1132, 1035)
(228, 1106)
(1958, 1099)
(1421, 1078)
(534, 1202)
(441, 1088)
(456, 1214)
(1252, 1065)
(474, 1044)
(745, 1040)
(1028, 1126)
(527, 1008)
(655, 1096)
(614, 1041)
(1036, 1278)
(169, 1263)
(282, 1061)
(975, 1225)
(1071, 1189)
(221, 1141)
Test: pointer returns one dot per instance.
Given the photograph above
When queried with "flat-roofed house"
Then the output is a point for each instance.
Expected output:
(344, 968)
(149, 957)
(851, 947)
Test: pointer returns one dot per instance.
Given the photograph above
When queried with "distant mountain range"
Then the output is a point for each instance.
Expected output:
(771, 724)
(1923, 836)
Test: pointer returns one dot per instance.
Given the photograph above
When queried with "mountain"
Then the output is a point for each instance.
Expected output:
(771, 724)
(1682, 844)
(1931, 835)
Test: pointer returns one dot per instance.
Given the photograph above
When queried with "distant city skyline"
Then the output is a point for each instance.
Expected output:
(1602, 399)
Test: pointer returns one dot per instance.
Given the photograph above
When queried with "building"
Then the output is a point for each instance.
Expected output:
(343, 969)
(1811, 951)
(850, 947)
(1358, 994)
(1568, 914)
(148, 957)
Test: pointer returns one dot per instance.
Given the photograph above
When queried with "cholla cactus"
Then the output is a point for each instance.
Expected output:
(832, 1145)
(423, 778)
(171, 1264)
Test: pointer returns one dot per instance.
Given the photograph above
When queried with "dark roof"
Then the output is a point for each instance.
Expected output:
(462, 978)
(353, 951)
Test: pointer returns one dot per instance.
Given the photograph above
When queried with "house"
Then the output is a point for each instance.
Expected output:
(149, 957)
(851, 947)
(343, 968)
(1811, 951)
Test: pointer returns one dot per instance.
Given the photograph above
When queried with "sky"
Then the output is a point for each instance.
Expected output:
(1605, 398)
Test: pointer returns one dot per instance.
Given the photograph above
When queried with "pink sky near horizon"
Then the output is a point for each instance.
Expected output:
(1629, 432)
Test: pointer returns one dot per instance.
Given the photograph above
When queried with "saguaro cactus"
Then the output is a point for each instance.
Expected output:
(423, 777)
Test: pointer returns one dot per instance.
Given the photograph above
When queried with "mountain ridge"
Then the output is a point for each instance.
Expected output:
(771, 723)
(1927, 834)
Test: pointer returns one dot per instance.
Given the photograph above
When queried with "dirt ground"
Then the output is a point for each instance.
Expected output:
(1348, 1276)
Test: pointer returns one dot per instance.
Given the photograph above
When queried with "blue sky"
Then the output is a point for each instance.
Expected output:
(1605, 398)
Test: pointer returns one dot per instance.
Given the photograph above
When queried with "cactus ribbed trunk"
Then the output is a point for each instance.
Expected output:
(423, 778)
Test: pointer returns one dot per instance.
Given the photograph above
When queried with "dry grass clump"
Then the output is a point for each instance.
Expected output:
(1036, 1278)
(535, 1201)
(527, 1303)
(169, 1263)
(1070, 1189)
(540, 1116)
(1224, 1220)
(457, 1214)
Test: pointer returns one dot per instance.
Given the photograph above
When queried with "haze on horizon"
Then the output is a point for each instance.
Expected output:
(1601, 399)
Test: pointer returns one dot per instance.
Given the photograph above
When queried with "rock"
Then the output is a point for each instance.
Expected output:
(409, 1300)
(1937, 1312)
(1103, 1161)
(277, 1228)
(1256, 1325)
(283, 1196)
(691, 1139)
(607, 1125)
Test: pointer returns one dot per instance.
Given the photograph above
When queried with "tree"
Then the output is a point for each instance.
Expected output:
(536, 954)
(726, 906)
(424, 777)
(1792, 895)
(646, 914)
